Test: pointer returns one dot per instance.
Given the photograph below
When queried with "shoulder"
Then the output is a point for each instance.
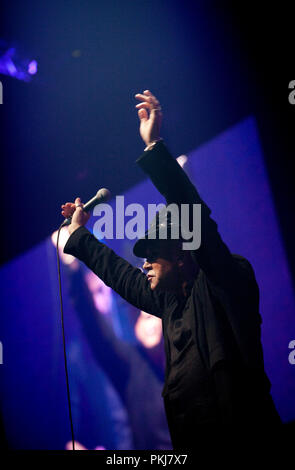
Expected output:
(243, 281)
(246, 282)
(244, 264)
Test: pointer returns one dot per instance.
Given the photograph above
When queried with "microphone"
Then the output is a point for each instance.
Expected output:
(101, 196)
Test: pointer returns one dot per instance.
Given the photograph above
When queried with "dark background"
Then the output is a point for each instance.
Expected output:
(74, 129)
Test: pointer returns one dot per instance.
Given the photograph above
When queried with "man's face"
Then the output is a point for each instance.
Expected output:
(162, 267)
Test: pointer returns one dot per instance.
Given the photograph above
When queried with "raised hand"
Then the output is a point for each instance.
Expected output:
(150, 116)
(79, 217)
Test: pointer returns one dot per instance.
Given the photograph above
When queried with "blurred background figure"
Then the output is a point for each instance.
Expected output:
(98, 414)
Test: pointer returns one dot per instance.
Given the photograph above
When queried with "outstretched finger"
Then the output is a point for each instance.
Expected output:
(152, 97)
(141, 97)
(142, 114)
(68, 208)
(78, 203)
(67, 211)
(148, 101)
(145, 105)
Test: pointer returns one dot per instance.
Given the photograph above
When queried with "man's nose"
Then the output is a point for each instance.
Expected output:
(146, 265)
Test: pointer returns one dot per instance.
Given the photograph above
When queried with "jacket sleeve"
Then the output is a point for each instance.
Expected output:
(213, 256)
(129, 282)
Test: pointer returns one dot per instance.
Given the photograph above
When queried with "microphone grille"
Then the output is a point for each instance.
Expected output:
(103, 194)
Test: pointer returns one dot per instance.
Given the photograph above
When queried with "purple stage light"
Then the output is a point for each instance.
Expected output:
(32, 67)
(12, 63)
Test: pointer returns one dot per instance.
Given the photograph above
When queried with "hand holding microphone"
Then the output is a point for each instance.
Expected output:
(77, 213)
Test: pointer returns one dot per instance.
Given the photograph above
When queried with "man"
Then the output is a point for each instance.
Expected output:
(208, 300)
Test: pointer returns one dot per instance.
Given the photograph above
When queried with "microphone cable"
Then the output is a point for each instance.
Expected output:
(64, 339)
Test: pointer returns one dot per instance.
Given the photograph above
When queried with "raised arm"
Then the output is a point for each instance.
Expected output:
(213, 256)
